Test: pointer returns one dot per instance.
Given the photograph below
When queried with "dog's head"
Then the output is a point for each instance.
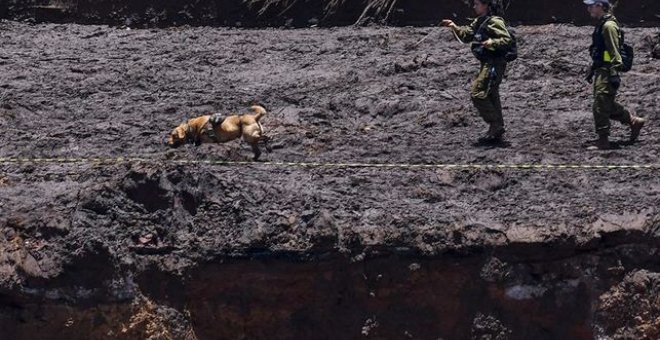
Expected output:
(178, 136)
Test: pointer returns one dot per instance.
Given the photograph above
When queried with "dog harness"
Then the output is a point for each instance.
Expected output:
(207, 130)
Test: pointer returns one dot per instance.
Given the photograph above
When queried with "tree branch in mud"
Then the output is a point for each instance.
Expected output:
(266, 4)
(374, 8)
(378, 7)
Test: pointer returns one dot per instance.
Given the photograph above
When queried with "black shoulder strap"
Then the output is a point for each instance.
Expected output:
(483, 24)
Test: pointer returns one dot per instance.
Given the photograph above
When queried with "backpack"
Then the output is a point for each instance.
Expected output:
(627, 55)
(509, 53)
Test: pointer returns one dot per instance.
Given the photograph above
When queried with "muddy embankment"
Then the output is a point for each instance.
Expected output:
(495, 295)
(158, 248)
(303, 13)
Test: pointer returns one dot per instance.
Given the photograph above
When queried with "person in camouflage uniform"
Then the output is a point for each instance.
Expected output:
(490, 38)
(607, 64)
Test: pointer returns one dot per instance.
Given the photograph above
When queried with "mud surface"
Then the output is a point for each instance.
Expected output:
(87, 232)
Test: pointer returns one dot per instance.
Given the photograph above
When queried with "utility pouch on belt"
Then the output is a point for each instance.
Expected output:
(492, 73)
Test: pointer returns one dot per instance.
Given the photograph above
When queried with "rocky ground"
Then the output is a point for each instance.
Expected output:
(175, 247)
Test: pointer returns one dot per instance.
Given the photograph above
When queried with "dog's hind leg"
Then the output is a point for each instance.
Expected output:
(266, 141)
(257, 152)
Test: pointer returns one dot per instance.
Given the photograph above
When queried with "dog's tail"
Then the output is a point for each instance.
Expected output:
(259, 111)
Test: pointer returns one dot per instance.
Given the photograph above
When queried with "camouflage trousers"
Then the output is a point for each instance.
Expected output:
(605, 107)
(485, 93)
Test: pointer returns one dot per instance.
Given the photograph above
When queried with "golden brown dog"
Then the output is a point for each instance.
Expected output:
(217, 128)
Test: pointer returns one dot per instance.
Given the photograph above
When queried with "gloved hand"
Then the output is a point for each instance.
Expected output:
(615, 81)
(447, 23)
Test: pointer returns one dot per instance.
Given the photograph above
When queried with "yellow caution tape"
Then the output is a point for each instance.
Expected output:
(124, 160)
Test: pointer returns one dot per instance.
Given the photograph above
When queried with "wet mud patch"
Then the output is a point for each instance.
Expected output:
(147, 190)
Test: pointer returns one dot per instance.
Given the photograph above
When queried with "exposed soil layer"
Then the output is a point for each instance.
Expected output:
(303, 13)
(159, 249)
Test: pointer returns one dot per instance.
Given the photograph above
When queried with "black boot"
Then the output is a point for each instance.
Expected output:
(603, 143)
(493, 136)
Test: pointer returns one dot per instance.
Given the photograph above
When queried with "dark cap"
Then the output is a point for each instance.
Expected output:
(593, 2)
